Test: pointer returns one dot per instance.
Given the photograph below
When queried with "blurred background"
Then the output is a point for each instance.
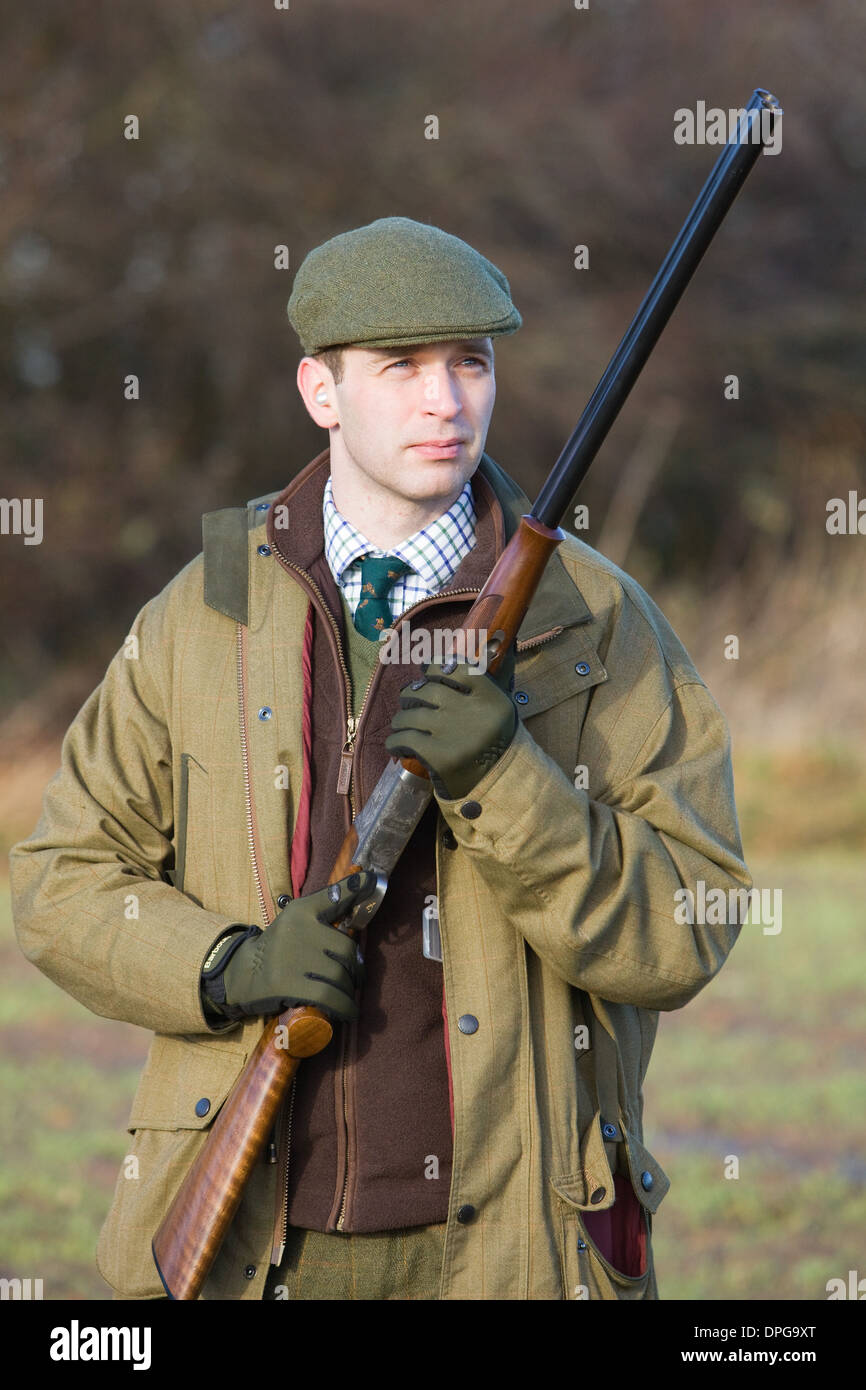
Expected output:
(155, 256)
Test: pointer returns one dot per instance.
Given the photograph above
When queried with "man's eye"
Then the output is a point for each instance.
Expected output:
(404, 362)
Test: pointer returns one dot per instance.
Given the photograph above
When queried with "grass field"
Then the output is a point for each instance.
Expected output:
(766, 1065)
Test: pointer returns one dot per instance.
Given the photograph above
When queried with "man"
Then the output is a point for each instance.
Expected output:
(474, 1130)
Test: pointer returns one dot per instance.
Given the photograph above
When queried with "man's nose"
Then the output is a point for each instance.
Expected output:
(442, 395)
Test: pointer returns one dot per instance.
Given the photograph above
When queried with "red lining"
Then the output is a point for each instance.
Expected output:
(620, 1231)
(302, 839)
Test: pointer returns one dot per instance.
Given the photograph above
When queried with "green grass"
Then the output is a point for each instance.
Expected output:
(766, 1064)
(66, 1084)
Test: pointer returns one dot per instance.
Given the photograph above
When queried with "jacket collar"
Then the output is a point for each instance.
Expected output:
(231, 537)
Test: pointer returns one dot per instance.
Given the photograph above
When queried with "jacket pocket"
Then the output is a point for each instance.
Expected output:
(553, 687)
(605, 1219)
(167, 1135)
(588, 1274)
(560, 670)
(179, 1076)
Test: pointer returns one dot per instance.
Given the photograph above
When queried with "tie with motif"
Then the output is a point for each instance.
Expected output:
(378, 577)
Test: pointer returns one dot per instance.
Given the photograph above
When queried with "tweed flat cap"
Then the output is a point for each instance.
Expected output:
(397, 281)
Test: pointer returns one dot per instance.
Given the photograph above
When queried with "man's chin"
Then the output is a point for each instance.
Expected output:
(430, 476)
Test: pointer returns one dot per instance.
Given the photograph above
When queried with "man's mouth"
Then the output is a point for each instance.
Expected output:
(439, 448)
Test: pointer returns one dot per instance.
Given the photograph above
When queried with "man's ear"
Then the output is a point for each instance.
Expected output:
(318, 392)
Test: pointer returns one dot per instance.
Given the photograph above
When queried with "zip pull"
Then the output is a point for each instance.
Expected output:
(344, 779)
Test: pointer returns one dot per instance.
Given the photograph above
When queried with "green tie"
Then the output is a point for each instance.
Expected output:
(378, 577)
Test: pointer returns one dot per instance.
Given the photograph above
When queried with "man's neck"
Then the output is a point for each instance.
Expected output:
(384, 517)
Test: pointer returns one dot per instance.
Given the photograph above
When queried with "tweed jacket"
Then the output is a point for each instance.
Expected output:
(560, 932)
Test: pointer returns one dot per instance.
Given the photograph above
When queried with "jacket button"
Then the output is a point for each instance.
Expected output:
(467, 1023)
(265, 712)
(262, 506)
(609, 1131)
(283, 900)
(471, 810)
(521, 697)
(465, 1214)
(581, 1243)
(646, 1181)
(264, 550)
(582, 668)
(202, 1107)
(449, 839)
(598, 1196)
(249, 1271)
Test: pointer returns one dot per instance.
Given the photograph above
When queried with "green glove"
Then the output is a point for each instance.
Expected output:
(457, 725)
(300, 959)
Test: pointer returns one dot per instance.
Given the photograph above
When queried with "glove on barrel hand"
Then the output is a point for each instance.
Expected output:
(457, 725)
(300, 959)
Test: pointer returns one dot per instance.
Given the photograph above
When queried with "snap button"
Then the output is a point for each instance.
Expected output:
(598, 1196)
(283, 900)
(265, 712)
(646, 1181)
(471, 810)
(262, 506)
(609, 1131)
(449, 839)
(467, 1023)
(264, 550)
(582, 668)
(521, 697)
(250, 1272)
(465, 1214)
(202, 1107)
(581, 1243)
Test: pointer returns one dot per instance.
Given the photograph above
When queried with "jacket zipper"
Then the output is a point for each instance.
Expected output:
(542, 637)
(345, 784)
(342, 1214)
(279, 1245)
(344, 779)
(351, 722)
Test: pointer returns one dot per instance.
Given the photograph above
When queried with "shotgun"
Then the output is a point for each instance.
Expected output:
(196, 1223)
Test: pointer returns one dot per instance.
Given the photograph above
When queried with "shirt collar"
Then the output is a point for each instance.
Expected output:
(434, 552)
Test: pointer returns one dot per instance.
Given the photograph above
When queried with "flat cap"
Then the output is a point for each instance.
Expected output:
(397, 281)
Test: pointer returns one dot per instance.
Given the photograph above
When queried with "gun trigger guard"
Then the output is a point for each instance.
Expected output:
(364, 911)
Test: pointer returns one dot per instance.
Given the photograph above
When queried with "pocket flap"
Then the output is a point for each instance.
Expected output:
(184, 1084)
(648, 1177)
(566, 666)
(592, 1188)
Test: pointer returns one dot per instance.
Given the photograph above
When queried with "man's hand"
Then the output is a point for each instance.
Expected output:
(457, 725)
(300, 959)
